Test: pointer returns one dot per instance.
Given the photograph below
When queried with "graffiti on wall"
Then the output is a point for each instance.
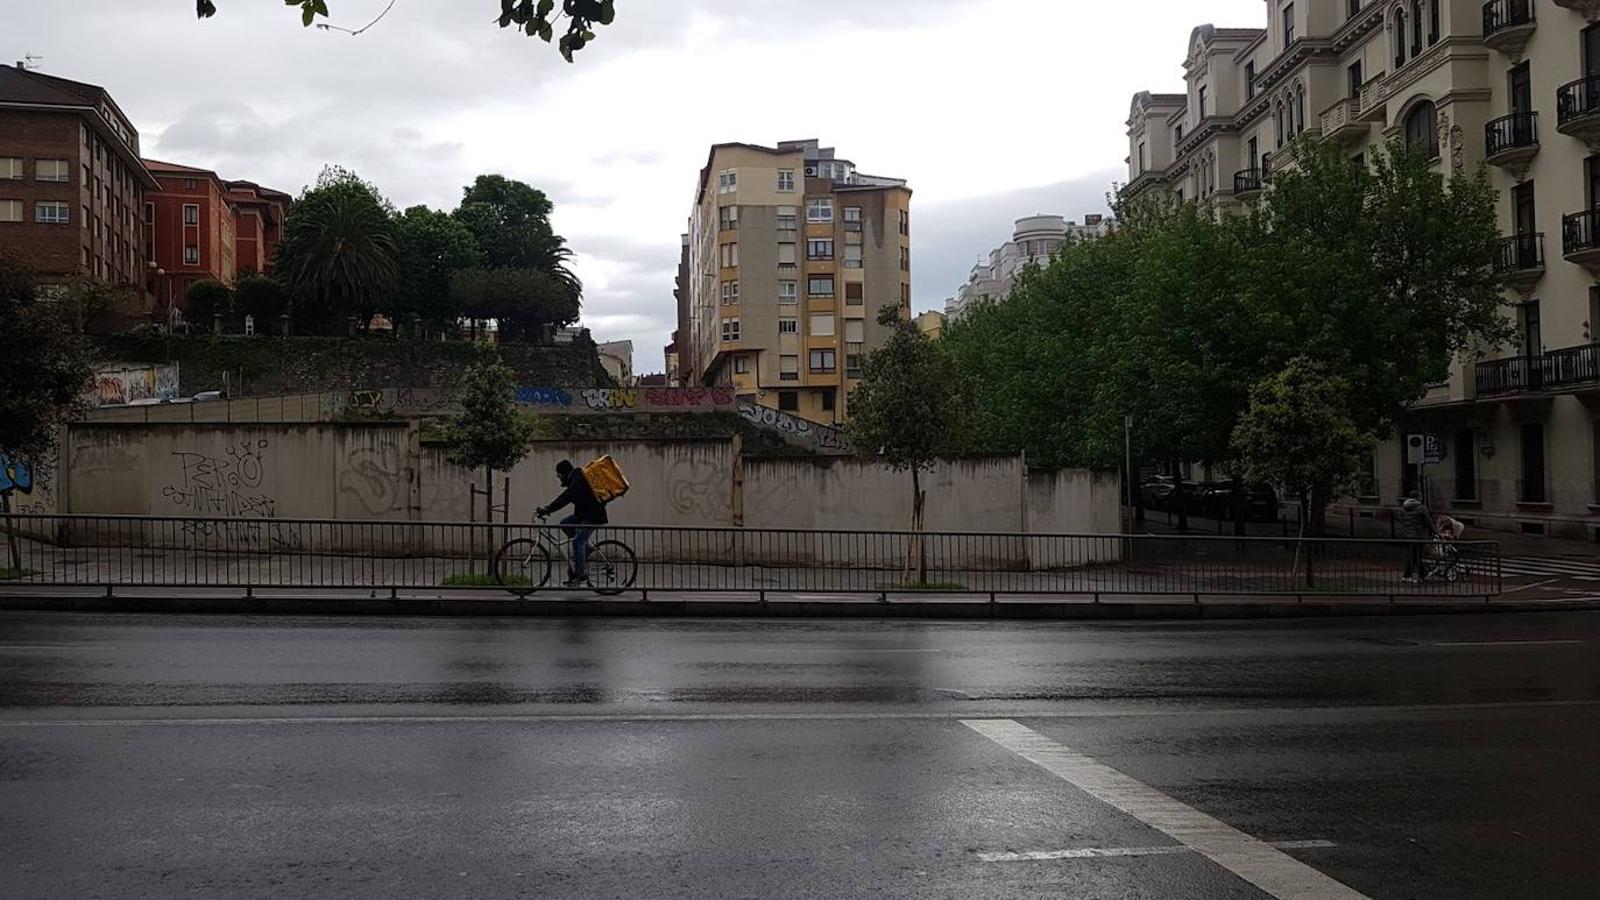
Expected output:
(28, 486)
(375, 478)
(612, 400)
(230, 486)
(388, 401)
(114, 387)
(793, 428)
(699, 493)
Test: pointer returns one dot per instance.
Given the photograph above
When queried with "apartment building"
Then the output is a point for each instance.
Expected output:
(1033, 240)
(71, 181)
(792, 253)
(1513, 85)
(200, 227)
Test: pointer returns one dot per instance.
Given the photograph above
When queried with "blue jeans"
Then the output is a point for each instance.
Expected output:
(579, 532)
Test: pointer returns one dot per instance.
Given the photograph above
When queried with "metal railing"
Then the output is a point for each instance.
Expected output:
(1556, 369)
(1521, 252)
(1247, 181)
(1578, 100)
(1518, 131)
(321, 554)
(1498, 15)
(1580, 232)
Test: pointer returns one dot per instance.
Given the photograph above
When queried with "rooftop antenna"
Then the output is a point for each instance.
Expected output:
(30, 61)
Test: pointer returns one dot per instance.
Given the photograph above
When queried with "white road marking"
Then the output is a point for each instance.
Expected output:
(1502, 643)
(55, 647)
(1536, 584)
(1298, 712)
(1273, 871)
(1100, 852)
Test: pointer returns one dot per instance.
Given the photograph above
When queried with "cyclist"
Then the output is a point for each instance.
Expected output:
(587, 513)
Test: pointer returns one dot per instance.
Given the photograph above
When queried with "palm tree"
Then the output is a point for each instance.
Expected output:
(338, 254)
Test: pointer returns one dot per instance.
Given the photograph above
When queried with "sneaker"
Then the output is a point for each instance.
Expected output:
(577, 581)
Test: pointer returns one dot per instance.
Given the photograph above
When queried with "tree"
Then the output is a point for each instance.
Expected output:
(1298, 433)
(488, 433)
(521, 301)
(511, 222)
(432, 246)
(262, 298)
(88, 306)
(904, 412)
(205, 301)
(531, 17)
(44, 368)
(338, 254)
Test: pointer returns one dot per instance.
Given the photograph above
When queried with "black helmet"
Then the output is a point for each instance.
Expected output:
(564, 469)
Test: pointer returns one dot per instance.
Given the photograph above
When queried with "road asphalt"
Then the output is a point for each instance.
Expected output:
(254, 756)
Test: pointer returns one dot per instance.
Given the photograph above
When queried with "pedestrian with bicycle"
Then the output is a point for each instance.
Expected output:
(588, 513)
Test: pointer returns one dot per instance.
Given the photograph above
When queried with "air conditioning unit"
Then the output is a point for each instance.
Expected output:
(811, 171)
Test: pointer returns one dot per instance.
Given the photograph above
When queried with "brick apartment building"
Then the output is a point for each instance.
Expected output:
(71, 180)
(200, 227)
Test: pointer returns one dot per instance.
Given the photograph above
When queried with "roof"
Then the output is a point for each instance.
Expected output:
(705, 172)
(26, 88)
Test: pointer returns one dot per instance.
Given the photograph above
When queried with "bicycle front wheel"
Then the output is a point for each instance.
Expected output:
(522, 566)
(612, 567)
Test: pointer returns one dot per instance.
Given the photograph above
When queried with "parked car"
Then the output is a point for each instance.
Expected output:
(1170, 493)
(1260, 501)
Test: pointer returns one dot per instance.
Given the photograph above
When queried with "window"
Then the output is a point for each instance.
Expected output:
(905, 222)
(786, 254)
(1433, 22)
(824, 361)
(786, 180)
(51, 170)
(191, 214)
(1353, 79)
(788, 370)
(730, 292)
(788, 326)
(852, 256)
(1532, 333)
(741, 365)
(190, 184)
(854, 331)
(852, 218)
(730, 329)
(1141, 156)
(1416, 27)
(1397, 35)
(786, 218)
(905, 293)
(819, 248)
(1249, 80)
(728, 218)
(1288, 24)
(853, 291)
(1202, 101)
(819, 210)
(789, 401)
(821, 325)
(828, 399)
(1466, 453)
(727, 181)
(191, 256)
(1422, 128)
(1352, 8)
(905, 259)
(10, 210)
(730, 255)
(10, 168)
(788, 292)
(819, 286)
(1531, 490)
(51, 213)
(149, 213)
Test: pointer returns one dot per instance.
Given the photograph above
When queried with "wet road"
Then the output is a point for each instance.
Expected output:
(1447, 757)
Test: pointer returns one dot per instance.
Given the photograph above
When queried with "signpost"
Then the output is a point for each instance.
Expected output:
(1423, 450)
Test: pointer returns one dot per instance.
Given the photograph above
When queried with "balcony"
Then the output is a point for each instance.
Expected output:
(1342, 122)
(1572, 367)
(1589, 8)
(1580, 239)
(1374, 101)
(1521, 260)
(1247, 184)
(1507, 25)
(1578, 109)
(1511, 142)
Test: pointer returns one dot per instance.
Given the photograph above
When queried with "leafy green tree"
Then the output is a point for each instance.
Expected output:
(511, 222)
(44, 368)
(432, 246)
(531, 17)
(521, 301)
(488, 433)
(905, 413)
(1298, 432)
(205, 301)
(338, 255)
(263, 299)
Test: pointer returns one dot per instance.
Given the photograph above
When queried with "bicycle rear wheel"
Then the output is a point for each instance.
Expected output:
(522, 566)
(612, 567)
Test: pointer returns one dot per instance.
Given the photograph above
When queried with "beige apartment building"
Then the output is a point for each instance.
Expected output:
(1513, 85)
(791, 254)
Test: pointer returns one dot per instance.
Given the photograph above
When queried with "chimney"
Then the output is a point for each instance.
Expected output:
(22, 65)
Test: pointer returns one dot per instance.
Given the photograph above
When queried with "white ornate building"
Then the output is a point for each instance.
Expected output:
(1034, 240)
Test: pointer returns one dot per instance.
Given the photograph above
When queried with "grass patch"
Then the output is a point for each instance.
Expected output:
(9, 574)
(477, 579)
(930, 586)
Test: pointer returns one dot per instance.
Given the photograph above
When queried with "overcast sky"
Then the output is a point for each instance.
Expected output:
(993, 109)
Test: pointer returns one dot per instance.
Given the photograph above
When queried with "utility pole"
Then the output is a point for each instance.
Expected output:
(1133, 481)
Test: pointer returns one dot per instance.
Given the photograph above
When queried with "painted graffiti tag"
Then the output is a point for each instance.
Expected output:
(15, 475)
(543, 396)
(611, 398)
(228, 485)
(825, 437)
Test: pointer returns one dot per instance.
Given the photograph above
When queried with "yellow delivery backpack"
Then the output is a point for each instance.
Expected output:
(605, 479)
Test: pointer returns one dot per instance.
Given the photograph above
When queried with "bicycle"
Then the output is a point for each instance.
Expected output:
(524, 565)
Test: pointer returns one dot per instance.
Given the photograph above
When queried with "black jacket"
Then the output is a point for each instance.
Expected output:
(585, 505)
